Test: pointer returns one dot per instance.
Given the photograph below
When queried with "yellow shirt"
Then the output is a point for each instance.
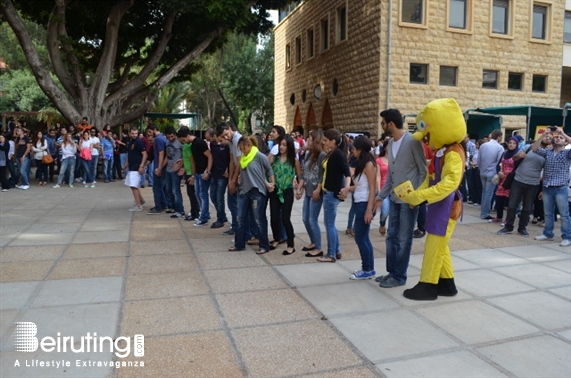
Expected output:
(324, 165)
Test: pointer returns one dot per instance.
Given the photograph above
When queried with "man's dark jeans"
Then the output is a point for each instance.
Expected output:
(520, 192)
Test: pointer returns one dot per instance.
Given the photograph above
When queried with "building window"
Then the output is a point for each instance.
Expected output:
(567, 28)
(298, 50)
(324, 34)
(288, 57)
(501, 16)
(310, 44)
(342, 24)
(448, 76)
(490, 79)
(418, 73)
(539, 83)
(412, 11)
(458, 14)
(539, 20)
(515, 81)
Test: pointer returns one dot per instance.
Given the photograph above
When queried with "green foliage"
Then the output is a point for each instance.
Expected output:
(23, 90)
(11, 51)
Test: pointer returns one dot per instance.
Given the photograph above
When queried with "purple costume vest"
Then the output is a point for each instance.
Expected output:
(438, 213)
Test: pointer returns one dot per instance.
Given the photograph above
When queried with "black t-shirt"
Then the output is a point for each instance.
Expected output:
(221, 159)
(21, 148)
(123, 149)
(135, 148)
(198, 148)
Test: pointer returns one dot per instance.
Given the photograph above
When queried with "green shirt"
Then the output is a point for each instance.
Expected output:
(186, 155)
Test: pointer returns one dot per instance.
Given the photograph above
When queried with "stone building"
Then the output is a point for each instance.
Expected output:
(339, 63)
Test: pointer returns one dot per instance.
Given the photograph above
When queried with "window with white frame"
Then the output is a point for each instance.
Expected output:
(540, 21)
(413, 12)
(501, 16)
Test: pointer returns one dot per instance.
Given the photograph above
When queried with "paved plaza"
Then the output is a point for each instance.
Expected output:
(75, 261)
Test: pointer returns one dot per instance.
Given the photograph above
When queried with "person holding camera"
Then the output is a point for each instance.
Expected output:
(555, 181)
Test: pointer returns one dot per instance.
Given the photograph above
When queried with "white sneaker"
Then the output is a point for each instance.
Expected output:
(78, 180)
(83, 182)
(93, 185)
(565, 243)
(136, 208)
(71, 185)
(56, 186)
(24, 187)
(543, 237)
(4, 190)
(18, 186)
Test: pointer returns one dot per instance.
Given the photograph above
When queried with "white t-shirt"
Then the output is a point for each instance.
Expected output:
(94, 141)
(12, 149)
(396, 146)
(86, 144)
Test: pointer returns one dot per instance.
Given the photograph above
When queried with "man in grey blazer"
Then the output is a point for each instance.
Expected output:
(406, 162)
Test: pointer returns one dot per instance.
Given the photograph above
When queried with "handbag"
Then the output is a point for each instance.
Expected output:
(496, 179)
(85, 154)
(47, 158)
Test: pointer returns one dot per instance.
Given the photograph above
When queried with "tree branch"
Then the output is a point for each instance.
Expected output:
(135, 114)
(114, 86)
(58, 98)
(153, 62)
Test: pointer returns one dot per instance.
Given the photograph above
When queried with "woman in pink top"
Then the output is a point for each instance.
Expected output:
(382, 172)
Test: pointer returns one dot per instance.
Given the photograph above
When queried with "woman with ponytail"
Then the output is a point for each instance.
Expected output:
(335, 186)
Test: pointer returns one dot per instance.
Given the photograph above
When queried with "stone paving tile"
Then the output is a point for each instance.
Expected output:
(25, 270)
(542, 309)
(484, 283)
(35, 253)
(224, 260)
(98, 236)
(83, 268)
(167, 234)
(290, 349)
(361, 372)
(564, 292)
(370, 332)
(165, 285)
(16, 294)
(566, 334)
(536, 275)
(534, 253)
(264, 307)
(95, 250)
(563, 265)
(488, 258)
(441, 365)
(202, 355)
(346, 298)
(476, 322)
(313, 274)
(39, 239)
(54, 228)
(68, 219)
(79, 291)
(7, 318)
(153, 264)
(221, 245)
(544, 356)
(243, 279)
(159, 247)
(169, 316)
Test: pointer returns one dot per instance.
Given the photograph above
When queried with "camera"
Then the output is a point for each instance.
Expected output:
(552, 128)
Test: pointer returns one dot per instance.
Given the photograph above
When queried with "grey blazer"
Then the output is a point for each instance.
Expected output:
(408, 164)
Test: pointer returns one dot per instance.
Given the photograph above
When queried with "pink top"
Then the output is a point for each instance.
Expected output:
(384, 171)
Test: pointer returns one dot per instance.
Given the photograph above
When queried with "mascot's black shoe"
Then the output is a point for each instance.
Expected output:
(422, 292)
(446, 287)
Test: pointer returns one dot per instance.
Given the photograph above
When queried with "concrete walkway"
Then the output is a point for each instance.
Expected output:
(75, 261)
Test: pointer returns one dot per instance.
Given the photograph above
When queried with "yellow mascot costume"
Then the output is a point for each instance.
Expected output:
(443, 123)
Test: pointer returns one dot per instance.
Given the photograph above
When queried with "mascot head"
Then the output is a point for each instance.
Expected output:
(442, 122)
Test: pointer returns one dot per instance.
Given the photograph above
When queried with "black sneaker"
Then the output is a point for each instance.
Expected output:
(200, 223)
(177, 215)
(170, 211)
(505, 231)
(488, 218)
(217, 225)
(154, 211)
(190, 218)
(229, 232)
(417, 234)
(523, 232)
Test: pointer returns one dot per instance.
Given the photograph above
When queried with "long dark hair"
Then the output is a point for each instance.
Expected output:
(340, 140)
(36, 139)
(363, 144)
(290, 153)
(316, 147)
(281, 134)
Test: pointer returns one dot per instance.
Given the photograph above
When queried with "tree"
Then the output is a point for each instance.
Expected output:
(92, 46)
(23, 92)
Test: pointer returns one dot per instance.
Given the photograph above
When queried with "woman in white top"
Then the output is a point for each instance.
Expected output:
(40, 148)
(364, 191)
(86, 148)
(68, 150)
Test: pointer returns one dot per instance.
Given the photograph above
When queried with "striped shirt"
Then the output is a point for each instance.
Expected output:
(556, 168)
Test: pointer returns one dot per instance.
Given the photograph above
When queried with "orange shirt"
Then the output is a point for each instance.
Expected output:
(83, 127)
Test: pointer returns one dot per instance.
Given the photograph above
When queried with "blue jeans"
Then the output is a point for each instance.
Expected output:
(552, 197)
(123, 158)
(421, 219)
(159, 191)
(385, 208)
(362, 237)
(24, 169)
(233, 207)
(351, 218)
(488, 188)
(217, 191)
(86, 164)
(68, 163)
(108, 169)
(255, 201)
(330, 204)
(173, 191)
(148, 173)
(311, 210)
(399, 239)
(201, 186)
(94, 165)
